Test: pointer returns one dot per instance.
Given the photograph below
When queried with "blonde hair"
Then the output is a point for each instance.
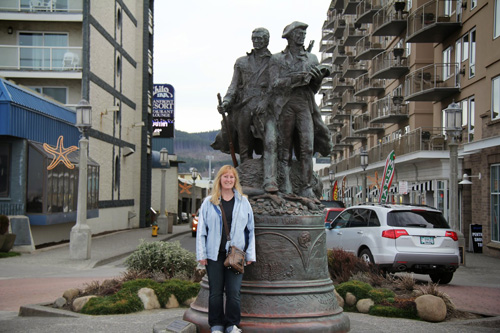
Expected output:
(216, 192)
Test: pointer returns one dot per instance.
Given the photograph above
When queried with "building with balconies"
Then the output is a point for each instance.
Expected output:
(66, 51)
(418, 57)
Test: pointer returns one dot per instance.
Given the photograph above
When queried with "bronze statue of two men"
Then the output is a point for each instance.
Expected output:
(272, 111)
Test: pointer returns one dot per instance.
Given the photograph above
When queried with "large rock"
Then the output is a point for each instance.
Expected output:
(59, 303)
(71, 293)
(340, 300)
(80, 302)
(172, 302)
(148, 298)
(431, 308)
(350, 299)
(364, 305)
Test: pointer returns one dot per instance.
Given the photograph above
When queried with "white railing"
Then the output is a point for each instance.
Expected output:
(15, 57)
(58, 6)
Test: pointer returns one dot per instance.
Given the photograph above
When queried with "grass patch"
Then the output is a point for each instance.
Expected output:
(9, 254)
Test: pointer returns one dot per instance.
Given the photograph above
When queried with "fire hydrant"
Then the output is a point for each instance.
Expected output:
(155, 230)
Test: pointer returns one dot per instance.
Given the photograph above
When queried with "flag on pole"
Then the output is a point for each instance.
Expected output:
(335, 191)
(388, 176)
(343, 188)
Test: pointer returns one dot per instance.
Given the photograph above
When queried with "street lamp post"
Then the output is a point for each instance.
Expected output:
(364, 164)
(163, 225)
(81, 237)
(331, 177)
(453, 121)
(194, 175)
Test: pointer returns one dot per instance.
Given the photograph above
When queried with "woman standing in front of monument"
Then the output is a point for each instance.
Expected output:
(212, 245)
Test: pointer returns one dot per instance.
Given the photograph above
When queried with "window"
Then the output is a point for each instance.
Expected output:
(458, 51)
(473, 4)
(472, 55)
(468, 112)
(447, 7)
(4, 169)
(465, 49)
(42, 51)
(446, 63)
(496, 23)
(117, 173)
(59, 94)
(495, 98)
(495, 202)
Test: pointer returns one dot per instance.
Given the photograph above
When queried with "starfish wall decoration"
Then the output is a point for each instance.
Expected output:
(375, 181)
(185, 188)
(59, 154)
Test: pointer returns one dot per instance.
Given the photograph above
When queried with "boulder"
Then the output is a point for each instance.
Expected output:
(59, 303)
(189, 301)
(71, 293)
(350, 299)
(172, 302)
(80, 302)
(340, 300)
(431, 308)
(148, 298)
(364, 305)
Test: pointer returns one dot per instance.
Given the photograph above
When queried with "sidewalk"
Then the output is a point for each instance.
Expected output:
(43, 275)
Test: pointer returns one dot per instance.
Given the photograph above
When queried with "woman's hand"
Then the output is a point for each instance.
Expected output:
(249, 262)
(203, 262)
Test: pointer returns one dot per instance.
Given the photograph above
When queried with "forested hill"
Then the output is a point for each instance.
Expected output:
(193, 148)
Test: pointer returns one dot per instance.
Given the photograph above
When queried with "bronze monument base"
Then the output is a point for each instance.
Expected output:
(288, 289)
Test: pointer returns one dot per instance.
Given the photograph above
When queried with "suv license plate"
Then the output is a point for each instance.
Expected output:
(427, 240)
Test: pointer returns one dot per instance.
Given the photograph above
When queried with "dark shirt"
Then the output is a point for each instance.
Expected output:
(228, 211)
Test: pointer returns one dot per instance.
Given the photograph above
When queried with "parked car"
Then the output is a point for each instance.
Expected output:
(333, 203)
(398, 238)
(194, 224)
(330, 214)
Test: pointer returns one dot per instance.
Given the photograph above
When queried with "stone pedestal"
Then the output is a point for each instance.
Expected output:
(80, 240)
(288, 289)
(162, 222)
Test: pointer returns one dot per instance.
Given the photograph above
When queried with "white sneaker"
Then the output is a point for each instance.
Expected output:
(233, 329)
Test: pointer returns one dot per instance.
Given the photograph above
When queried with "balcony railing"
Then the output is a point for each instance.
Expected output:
(368, 47)
(366, 9)
(348, 134)
(366, 86)
(353, 68)
(45, 6)
(352, 102)
(434, 21)
(412, 142)
(433, 82)
(390, 20)
(362, 125)
(389, 110)
(40, 58)
(350, 7)
(391, 64)
(352, 34)
(339, 55)
(341, 84)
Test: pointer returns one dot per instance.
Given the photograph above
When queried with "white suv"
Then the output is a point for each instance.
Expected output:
(398, 238)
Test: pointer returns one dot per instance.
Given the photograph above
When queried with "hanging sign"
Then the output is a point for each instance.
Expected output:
(387, 177)
(335, 191)
(163, 111)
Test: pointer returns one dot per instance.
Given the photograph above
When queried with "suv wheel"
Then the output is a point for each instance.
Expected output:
(366, 256)
(441, 278)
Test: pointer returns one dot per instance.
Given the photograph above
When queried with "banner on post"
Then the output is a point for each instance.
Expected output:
(335, 191)
(387, 177)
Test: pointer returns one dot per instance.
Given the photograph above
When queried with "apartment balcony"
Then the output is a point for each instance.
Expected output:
(368, 47)
(339, 26)
(366, 9)
(349, 136)
(341, 115)
(42, 10)
(391, 20)
(340, 84)
(433, 22)
(337, 4)
(331, 97)
(389, 110)
(363, 126)
(366, 86)
(334, 124)
(350, 7)
(339, 55)
(326, 84)
(336, 71)
(338, 144)
(327, 46)
(352, 102)
(353, 34)
(326, 108)
(433, 82)
(329, 22)
(352, 68)
(51, 62)
(390, 64)
(326, 58)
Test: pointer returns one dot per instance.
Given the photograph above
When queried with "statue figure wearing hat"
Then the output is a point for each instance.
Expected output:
(296, 77)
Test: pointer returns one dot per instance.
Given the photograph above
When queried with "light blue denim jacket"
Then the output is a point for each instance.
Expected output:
(211, 227)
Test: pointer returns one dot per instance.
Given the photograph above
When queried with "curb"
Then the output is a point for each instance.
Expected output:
(44, 310)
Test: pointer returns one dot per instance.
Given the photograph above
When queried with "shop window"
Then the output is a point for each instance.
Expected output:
(59, 94)
(4, 169)
(495, 203)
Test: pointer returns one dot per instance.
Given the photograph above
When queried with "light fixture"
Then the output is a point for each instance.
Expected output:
(466, 181)
(83, 116)
(10, 30)
(453, 120)
(127, 151)
(363, 159)
(111, 109)
(139, 124)
(194, 173)
(331, 177)
(164, 157)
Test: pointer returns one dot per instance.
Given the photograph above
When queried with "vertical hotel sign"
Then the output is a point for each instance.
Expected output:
(163, 111)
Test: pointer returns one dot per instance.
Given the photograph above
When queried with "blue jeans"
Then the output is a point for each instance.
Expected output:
(218, 278)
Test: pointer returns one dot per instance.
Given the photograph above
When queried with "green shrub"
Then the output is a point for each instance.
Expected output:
(9, 254)
(343, 265)
(357, 288)
(378, 295)
(406, 309)
(166, 257)
(120, 303)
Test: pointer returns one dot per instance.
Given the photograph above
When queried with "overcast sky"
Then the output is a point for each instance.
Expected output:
(196, 43)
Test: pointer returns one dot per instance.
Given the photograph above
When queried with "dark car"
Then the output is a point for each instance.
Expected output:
(333, 203)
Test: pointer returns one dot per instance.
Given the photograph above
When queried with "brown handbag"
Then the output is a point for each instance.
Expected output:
(235, 259)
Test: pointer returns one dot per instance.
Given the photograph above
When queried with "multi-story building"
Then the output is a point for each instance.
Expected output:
(397, 65)
(69, 50)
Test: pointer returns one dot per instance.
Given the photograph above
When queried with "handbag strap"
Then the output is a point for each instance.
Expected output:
(225, 222)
